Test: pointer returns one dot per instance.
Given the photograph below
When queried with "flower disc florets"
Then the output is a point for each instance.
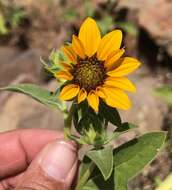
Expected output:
(89, 73)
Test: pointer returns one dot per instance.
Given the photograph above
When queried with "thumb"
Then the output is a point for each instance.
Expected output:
(53, 169)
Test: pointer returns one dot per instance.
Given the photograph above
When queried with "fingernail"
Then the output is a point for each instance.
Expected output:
(58, 160)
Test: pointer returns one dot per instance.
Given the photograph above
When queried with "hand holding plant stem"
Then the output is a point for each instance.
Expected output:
(31, 162)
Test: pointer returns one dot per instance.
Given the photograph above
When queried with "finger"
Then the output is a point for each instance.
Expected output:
(11, 182)
(53, 169)
(19, 147)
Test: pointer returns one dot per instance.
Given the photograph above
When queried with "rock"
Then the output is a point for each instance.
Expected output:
(20, 111)
(13, 64)
(7, 54)
(132, 4)
(155, 17)
(158, 22)
(47, 31)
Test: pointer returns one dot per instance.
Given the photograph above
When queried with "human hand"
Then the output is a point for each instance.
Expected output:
(36, 159)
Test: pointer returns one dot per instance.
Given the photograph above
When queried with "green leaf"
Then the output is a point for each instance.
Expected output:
(124, 128)
(103, 159)
(110, 114)
(41, 95)
(98, 183)
(133, 156)
(165, 92)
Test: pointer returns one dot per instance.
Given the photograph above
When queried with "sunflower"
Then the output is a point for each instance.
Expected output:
(95, 69)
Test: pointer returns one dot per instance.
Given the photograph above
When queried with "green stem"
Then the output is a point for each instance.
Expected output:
(68, 120)
(85, 177)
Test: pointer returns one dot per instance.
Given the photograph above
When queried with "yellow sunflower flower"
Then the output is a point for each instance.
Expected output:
(96, 69)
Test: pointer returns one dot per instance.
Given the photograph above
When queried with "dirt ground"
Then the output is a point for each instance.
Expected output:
(46, 25)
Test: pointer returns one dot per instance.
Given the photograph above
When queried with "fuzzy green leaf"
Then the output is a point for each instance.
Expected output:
(133, 156)
(36, 92)
(124, 128)
(98, 183)
(53, 63)
(103, 159)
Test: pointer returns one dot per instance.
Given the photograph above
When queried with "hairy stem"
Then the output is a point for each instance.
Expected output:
(68, 120)
(85, 177)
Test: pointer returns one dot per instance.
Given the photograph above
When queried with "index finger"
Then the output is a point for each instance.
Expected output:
(19, 147)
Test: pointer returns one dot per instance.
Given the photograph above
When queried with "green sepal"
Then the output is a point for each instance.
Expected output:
(89, 125)
(110, 114)
(52, 64)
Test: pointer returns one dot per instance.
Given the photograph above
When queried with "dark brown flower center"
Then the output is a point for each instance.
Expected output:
(89, 73)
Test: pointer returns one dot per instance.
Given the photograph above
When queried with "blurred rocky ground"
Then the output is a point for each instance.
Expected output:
(17, 110)
(155, 17)
(48, 25)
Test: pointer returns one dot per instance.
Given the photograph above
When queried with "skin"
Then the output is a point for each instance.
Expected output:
(23, 148)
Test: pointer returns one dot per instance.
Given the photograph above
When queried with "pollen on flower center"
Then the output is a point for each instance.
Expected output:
(89, 73)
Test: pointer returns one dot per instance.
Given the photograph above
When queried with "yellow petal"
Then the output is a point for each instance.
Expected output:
(100, 92)
(127, 65)
(113, 57)
(89, 35)
(66, 66)
(64, 75)
(93, 100)
(109, 43)
(82, 95)
(117, 98)
(120, 82)
(68, 92)
(78, 47)
(70, 54)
